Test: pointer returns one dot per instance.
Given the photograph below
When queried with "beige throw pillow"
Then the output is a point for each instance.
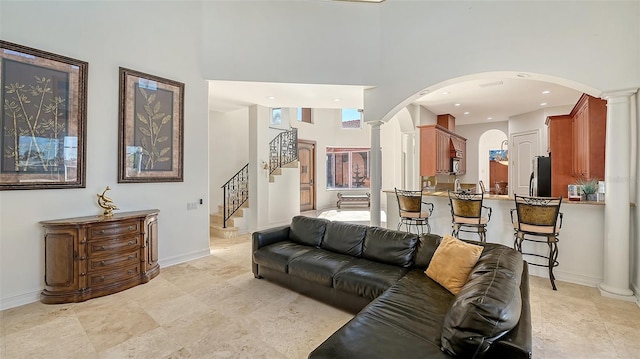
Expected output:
(452, 262)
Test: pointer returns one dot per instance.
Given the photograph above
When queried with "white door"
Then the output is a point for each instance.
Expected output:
(525, 148)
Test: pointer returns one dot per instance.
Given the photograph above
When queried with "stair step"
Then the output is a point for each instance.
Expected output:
(218, 231)
(244, 205)
(292, 164)
(218, 220)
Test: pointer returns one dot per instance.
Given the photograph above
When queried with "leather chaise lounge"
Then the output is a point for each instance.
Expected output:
(400, 312)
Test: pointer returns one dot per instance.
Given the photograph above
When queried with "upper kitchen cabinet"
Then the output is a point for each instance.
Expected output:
(437, 148)
(589, 118)
(577, 144)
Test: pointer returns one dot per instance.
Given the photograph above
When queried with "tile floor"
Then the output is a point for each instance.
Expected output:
(213, 308)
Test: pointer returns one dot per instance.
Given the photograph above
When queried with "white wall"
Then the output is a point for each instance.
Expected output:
(326, 130)
(228, 150)
(109, 35)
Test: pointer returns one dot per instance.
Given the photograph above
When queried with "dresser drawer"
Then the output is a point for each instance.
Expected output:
(114, 229)
(102, 263)
(97, 279)
(108, 247)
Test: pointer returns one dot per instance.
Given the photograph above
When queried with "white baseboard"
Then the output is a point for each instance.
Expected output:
(168, 262)
(31, 297)
(566, 276)
(18, 300)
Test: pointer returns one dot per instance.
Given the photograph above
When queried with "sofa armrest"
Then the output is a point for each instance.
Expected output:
(517, 343)
(270, 236)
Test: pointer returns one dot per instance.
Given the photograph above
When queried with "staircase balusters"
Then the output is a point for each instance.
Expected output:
(235, 193)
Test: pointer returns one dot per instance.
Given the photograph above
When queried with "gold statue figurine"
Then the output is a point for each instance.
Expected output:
(106, 203)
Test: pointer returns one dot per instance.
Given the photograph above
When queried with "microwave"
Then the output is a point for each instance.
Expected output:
(455, 166)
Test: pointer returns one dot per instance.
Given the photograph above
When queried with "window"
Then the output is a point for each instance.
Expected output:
(304, 114)
(276, 116)
(347, 167)
(351, 118)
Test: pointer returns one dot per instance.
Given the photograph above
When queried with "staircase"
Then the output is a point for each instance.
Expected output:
(234, 224)
(283, 153)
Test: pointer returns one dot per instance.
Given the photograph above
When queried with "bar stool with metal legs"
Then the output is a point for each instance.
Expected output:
(468, 214)
(535, 218)
(413, 211)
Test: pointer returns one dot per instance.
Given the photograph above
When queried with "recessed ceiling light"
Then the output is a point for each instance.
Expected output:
(445, 93)
(457, 105)
(336, 99)
(523, 75)
(546, 92)
(271, 97)
(489, 118)
(466, 113)
(543, 104)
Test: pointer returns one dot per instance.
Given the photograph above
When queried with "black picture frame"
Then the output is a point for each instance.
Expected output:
(43, 119)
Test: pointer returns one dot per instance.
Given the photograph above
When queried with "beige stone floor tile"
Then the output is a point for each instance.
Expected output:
(625, 339)
(62, 337)
(157, 290)
(153, 344)
(116, 322)
(30, 315)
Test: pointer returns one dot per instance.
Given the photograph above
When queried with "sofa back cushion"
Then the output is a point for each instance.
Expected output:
(389, 246)
(344, 238)
(307, 230)
(427, 245)
(488, 306)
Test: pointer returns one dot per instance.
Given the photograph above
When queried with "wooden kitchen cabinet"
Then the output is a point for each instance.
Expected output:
(589, 136)
(93, 256)
(561, 151)
(435, 150)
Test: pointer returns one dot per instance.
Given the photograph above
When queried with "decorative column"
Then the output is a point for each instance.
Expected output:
(375, 172)
(617, 209)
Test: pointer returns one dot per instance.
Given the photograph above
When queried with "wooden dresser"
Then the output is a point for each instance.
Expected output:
(88, 257)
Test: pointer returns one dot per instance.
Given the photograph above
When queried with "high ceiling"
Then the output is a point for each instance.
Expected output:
(486, 99)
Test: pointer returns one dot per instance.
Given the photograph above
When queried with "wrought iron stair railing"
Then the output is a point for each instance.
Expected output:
(283, 149)
(236, 193)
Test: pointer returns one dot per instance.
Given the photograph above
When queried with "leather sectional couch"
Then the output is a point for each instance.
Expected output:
(378, 274)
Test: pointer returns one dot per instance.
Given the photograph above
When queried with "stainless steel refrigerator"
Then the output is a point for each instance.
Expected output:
(540, 180)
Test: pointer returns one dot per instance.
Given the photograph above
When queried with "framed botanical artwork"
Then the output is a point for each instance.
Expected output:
(43, 119)
(151, 128)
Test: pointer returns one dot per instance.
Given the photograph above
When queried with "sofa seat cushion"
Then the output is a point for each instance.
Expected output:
(390, 247)
(403, 322)
(278, 255)
(366, 278)
(344, 238)
(318, 266)
(488, 305)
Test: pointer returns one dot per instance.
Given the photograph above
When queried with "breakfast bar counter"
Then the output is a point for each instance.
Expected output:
(581, 239)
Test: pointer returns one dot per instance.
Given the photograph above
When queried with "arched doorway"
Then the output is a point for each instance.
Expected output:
(493, 165)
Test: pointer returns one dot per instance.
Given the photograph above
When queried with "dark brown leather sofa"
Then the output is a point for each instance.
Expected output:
(401, 313)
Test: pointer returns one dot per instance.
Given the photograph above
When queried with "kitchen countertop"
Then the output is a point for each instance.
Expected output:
(504, 197)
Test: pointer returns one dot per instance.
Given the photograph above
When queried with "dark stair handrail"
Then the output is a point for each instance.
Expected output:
(235, 193)
(283, 149)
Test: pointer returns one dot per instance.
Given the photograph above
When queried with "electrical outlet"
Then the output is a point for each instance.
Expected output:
(192, 205)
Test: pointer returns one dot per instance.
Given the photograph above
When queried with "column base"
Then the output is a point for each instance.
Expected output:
(616, 293)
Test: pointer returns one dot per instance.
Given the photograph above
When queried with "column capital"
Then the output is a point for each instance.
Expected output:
(375, 124)
(609, 95)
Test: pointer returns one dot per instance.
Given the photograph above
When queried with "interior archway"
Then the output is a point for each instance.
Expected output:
(490, 140)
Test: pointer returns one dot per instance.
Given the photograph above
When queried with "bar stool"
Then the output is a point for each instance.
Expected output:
(467, 214)
(537, 217)
(413, 210)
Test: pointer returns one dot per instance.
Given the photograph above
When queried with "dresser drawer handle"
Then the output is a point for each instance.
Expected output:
(131, 243)
(131, 228)
(130, 271)
(102, 278)
(130, 257)
(101, 231)
(102, 247)
(102, 263)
